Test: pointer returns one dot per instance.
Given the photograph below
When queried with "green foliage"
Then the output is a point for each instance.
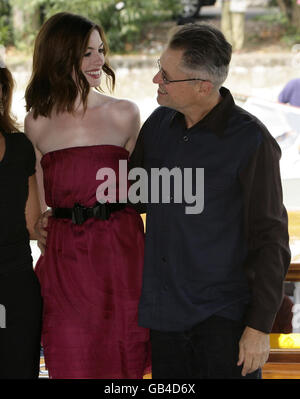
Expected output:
(122, 21)
(273, 18)
(291, 36)
(287, 32)
(6, 32)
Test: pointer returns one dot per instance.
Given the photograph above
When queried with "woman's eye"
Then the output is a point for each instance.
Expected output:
(100, 51)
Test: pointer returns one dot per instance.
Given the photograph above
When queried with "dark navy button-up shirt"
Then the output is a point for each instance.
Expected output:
(231, 258)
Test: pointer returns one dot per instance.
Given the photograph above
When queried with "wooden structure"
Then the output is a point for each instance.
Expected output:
(284, 363)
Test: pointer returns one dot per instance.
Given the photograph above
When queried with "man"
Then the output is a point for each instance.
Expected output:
(212, 280)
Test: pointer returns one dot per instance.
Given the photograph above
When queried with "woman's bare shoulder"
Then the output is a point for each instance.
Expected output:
(126, 106)
(124, 110)
(33, 126)
(32, 122)
(116, 105)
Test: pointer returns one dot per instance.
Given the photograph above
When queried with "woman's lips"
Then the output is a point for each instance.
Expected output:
(95, 74)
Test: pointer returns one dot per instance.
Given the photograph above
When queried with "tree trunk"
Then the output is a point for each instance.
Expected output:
(20, 18)
(286, 7)
(291, 9)
(296, 16)
(282, 6)
(17, 20)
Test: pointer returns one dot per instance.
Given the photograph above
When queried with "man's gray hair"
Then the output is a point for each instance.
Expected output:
(205, 50)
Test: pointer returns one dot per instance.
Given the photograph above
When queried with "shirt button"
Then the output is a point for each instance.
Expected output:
(185, 138)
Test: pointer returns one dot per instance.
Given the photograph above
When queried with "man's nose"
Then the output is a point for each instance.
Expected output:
(157, 79)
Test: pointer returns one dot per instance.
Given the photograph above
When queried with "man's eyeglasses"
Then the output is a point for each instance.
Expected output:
(167, 81)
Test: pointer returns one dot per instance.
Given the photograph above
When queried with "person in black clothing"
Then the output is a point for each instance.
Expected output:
(20, 299)
(213, 279)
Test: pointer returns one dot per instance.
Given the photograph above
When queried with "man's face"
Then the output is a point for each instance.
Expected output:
(178, 95)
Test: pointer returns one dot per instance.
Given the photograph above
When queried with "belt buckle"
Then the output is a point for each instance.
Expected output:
(101, 211)
(77, 214)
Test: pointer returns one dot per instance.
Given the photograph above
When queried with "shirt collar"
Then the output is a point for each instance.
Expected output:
(216, 120)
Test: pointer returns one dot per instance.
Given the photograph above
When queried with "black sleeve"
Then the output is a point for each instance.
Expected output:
(149, 128)
(29, 153)
(266, 229)
(137, 157)
(31, 162)
(25, 152)
(136, 160)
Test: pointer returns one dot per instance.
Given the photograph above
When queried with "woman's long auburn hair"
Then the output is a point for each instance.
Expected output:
(59, 48)
(8, 123)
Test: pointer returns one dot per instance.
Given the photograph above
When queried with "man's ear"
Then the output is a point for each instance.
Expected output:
(205, 88)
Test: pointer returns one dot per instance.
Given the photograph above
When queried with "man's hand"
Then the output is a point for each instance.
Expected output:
(254, 350)
(40, 231)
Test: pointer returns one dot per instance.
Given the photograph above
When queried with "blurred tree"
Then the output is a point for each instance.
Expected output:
(6, 31)
(123, 21)
(291, 9)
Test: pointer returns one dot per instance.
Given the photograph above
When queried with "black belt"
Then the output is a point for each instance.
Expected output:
(79, 214)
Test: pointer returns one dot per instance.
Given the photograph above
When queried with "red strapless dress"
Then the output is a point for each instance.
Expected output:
(91, 275)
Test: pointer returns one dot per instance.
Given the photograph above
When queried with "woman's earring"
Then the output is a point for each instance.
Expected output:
(1, 107)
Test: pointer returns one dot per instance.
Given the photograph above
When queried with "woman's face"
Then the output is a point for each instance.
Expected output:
(93, 59)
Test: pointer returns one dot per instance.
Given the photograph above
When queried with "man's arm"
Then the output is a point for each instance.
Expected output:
(266, 229)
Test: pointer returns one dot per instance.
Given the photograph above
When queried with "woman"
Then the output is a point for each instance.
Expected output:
(20, 298)
(91, 270)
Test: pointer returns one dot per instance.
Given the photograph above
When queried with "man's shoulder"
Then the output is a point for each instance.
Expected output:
(156, 123)
(253, 129)
(248, 122)
(160, 113)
